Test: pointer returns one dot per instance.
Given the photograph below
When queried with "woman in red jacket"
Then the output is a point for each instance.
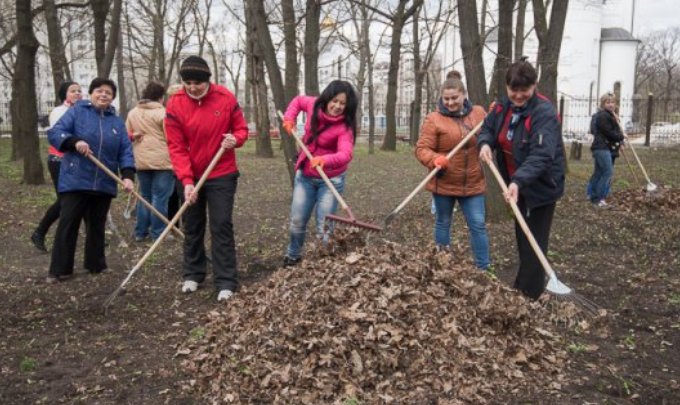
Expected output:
(201, 118)
(330, 132)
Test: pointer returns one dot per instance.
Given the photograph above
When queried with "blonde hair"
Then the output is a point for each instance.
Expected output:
(606, 97)
(172, 89)
(454, 84)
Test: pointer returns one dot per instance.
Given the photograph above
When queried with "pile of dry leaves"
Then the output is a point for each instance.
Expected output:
(382, 323)
(662, 199)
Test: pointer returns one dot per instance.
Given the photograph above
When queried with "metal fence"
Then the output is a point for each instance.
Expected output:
(656, 120)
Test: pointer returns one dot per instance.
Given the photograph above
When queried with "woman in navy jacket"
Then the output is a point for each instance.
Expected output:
(524, 130)
(90, 127)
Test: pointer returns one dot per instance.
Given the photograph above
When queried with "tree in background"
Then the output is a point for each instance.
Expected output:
(549, 43)
(24, 105)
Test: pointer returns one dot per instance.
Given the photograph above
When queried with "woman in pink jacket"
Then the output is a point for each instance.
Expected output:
(330, 132)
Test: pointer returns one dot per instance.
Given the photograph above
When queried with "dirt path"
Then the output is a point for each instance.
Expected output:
(58, 346)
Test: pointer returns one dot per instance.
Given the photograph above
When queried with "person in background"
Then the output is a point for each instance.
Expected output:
(69, 93)
(330, 132)
(607, 140)
(89, 127)
(201, 118)
(460, 179)
(175, 201)
(154, 169)
(524, 130)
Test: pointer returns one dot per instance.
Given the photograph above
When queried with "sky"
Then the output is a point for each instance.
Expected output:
(653, 15)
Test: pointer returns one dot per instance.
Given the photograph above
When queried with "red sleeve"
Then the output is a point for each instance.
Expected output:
(238, 124)
(178, 146)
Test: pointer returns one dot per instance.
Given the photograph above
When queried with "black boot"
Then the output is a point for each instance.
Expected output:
(38, 240)
(288, 262)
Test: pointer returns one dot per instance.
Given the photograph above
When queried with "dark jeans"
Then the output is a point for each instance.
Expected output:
(531, 278)
(52, 213)
(76, 206)
(217, 195)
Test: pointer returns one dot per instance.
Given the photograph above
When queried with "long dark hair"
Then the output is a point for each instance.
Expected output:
(333, 89)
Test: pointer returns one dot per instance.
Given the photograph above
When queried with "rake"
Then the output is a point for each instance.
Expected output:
(430, 175)
(167, 229)
(650, 187)
(350, 220)
(554, 286)
(133, 192)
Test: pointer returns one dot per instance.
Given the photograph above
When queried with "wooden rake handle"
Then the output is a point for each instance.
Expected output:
(523, 224)
(133, 192)
(176, 218)
(637, 158)
(434, 171)
(323, 175)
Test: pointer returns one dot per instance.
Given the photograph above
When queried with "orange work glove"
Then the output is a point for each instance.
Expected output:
(317, 161)
(441, 162)
(289, 126)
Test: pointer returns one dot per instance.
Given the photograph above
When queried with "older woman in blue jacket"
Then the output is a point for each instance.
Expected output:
(89, 127)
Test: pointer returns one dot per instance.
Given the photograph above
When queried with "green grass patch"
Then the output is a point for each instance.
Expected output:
(27, 365)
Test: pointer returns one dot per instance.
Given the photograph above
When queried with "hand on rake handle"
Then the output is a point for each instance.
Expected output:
(128, 185)
(512, 193)
(83, 148)
(289, 126)
(441, 162)
(485, 154)
(317, 161)
(229, 141)
(189, 194)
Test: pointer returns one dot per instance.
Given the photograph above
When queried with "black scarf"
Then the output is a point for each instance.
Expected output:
(463, 112)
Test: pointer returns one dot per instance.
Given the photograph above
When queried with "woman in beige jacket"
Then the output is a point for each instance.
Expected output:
(460, 179)
(154, 170)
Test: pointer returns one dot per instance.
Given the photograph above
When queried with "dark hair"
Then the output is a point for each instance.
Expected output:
(63, 89)
(333, 89)
(454, 74)
(521, 74)
(99, 82)
(153, 91)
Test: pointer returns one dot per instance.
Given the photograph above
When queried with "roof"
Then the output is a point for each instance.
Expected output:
(616, 34)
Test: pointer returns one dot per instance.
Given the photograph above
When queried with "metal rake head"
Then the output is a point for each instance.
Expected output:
(351, 222)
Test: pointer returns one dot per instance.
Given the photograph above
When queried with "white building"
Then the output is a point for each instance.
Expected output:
(597, 55)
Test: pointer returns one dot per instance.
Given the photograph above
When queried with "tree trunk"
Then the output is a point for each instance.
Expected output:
(264, 40)
(25, 111)
(290, 41)
(417, 82)
(133, 71)
(471, 45)
(497, 89)
(120, 70)
(311, 51)
(519, 28)
(60, 69)
(399, 18)
(105, 50)
(549, 44)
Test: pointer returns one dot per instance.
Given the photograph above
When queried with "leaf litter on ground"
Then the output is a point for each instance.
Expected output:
(379, 323)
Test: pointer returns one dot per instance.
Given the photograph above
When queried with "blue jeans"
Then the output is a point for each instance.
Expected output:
(602, 174)
(474, 212)
(309, 192)
(155, 186)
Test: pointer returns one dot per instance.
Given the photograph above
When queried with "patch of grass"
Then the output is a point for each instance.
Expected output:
(197, 333)
(351, 401)
(27, 364)
(629, 341)
(576, 348)
(674, 299)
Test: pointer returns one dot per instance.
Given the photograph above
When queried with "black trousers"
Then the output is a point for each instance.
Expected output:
(75, 207)
(217, 196)
(52, 213)
(531, 278)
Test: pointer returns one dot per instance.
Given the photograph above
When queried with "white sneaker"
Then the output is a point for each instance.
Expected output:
(224, 295)
(189, 286)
